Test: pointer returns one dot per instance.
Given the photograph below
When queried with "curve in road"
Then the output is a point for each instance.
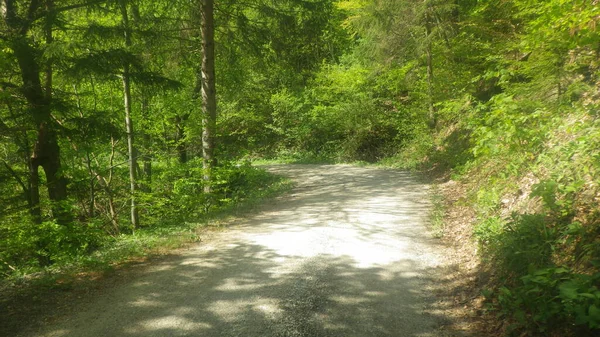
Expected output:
(346, 253)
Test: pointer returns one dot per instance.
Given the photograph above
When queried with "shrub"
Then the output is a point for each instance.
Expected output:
(552, 299)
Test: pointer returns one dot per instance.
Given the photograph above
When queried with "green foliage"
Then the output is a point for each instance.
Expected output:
(179, 193)
(531, 253)
(27, 245)
(263, 47)
(548, 299)
(171, 213)
(515, 124)
(512, 85)
(509, 126)
(345, 114)
(488, 230)
(527, 241)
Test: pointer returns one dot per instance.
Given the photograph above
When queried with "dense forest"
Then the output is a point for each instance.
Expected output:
(123, 122)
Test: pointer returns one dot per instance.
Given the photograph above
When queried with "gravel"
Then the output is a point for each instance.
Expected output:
(346, 253)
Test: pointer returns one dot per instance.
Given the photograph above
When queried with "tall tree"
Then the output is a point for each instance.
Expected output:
(428, 23)
(209, 92)
(128, 121)
(46, 150)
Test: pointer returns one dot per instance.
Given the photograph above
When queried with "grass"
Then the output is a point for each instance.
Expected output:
(437, 214)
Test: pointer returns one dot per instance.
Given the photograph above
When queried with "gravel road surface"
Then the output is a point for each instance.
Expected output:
(346, 253)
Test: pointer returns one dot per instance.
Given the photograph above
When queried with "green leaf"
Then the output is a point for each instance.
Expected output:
(569, 290)
(594, 313)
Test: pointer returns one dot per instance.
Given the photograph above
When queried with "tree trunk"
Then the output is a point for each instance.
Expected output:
(50, 16)
(88, 161)
(147, 146)
(34, 192)
(429, 56)
(209, 100)
(128, 120)
(180, 139)
(46, 151)
(106, 186)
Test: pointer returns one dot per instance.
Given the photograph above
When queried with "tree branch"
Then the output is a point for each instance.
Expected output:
(16, 176)
(70, 7)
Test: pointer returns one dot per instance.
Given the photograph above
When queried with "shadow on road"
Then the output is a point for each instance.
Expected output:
(345, 254)
(238, 291)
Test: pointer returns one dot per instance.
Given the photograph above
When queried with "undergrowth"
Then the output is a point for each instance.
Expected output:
(534, 186)
(437, 214)
(172, 218)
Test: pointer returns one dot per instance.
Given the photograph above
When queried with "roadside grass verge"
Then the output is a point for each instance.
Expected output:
(437, 213)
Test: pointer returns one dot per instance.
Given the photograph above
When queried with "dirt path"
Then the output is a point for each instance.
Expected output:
(347, 253)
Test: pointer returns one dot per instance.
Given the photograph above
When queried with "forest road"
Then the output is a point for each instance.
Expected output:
(346, 253)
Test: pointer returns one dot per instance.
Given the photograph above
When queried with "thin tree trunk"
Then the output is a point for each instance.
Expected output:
(106, 183)
(209, 101)
(429, 56)
(112, 213)
(88, 160)
(52, 166)
(559, 87)
(34, 192)
(111, 203)
(128, 120)
(180, 139)
(49, 39)
(147, 146)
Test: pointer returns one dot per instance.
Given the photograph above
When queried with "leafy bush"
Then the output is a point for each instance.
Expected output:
(28, 245)
(345, 114)
(528, 241)
(535, 256)
(171, 210)
(552, 299)
(179, 193)
(488, 230)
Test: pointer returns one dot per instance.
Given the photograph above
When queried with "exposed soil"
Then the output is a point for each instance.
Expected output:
(467, 277)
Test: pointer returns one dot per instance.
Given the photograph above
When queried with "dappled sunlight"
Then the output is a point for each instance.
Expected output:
(345, 255)
(145, 303)
(166, 323)
(343, 240)
(270, 308)
(371, 227)
(350, 300)
(237, 284)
